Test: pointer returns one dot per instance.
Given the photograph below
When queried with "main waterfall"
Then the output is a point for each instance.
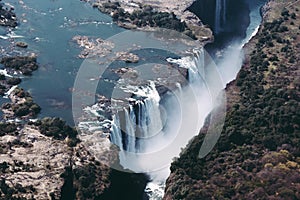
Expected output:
(133, 125)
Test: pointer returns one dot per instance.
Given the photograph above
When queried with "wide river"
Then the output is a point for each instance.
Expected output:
(48, 27)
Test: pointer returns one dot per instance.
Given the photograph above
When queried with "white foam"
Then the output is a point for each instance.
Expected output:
(6, 95)
(3, 37)
(4, 72)
(14, 35)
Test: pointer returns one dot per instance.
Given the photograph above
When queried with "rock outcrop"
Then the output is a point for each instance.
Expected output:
(22, 64)
(258, 153)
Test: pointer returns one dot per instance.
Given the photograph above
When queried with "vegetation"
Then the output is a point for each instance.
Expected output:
(7, 128)
(22, 108)
(87, 181)
(258, 153)
(145, 16)
(7, 192)
(58, 129)
(25, 64)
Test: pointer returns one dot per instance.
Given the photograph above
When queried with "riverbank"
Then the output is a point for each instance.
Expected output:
(260, 139)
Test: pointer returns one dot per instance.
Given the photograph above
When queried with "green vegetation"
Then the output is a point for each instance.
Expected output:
(87, 181)
(23, 108)
(146, 16)
(7, 192)
(25, 64)
(258, 153)
(7, 128)
(58, 129)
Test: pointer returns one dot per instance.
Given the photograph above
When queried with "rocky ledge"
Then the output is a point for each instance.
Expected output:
(164, 14)
(258, 153)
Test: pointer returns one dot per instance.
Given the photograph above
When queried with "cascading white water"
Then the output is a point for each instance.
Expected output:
(116, 138)
(191, 98)
(138, 128)
(130, 120)
(195, 65)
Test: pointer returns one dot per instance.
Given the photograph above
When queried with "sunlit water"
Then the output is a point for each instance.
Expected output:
(48, 27)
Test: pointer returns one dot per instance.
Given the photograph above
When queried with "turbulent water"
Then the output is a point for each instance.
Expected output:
(138, 124)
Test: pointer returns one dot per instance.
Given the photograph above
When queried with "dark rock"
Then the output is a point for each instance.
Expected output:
(22, 44)
(7, 17)
(13, 81)
(23, 64)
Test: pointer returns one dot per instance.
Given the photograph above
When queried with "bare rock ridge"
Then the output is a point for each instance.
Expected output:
(258, 153)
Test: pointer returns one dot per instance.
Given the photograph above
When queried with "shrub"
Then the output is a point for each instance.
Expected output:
(293, 15)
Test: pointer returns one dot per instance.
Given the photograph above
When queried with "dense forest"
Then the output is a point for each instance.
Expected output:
(258, 154)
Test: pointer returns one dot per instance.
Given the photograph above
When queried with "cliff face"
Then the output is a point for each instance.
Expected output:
(230, 17)
(258, 153)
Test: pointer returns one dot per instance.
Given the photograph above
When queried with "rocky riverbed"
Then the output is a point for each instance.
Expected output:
(44, 159)
(40, 159)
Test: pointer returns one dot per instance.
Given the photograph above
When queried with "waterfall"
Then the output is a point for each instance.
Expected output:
(134, 124)
(224, 7)
(130, 120)
(195, 64)
(116, 138)
(220, 15)
(217, 16)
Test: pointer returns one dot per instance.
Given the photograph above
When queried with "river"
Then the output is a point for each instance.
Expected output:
(48, 27)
